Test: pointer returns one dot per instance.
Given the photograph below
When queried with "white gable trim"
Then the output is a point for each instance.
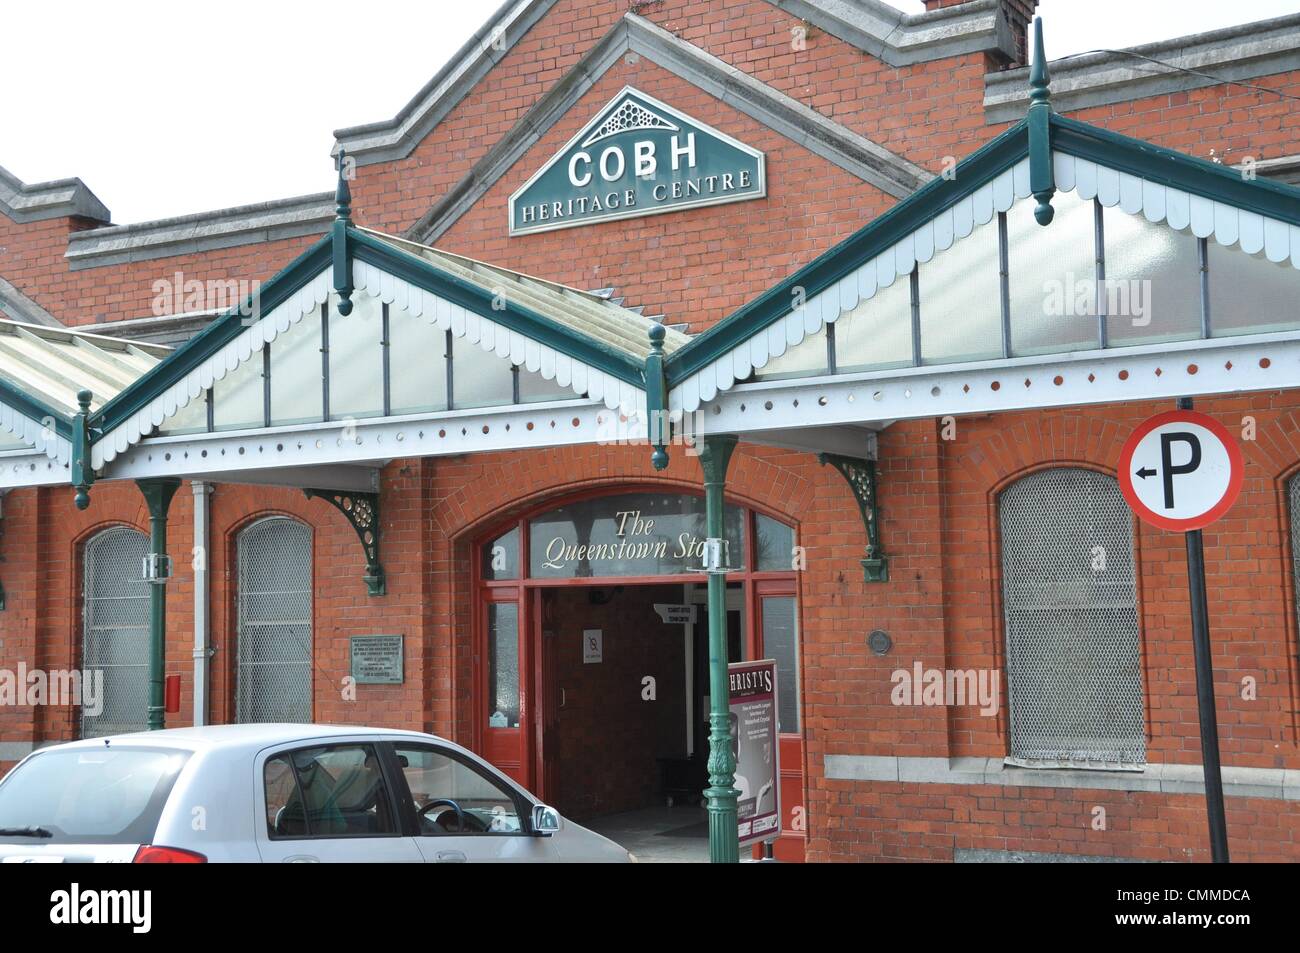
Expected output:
(1181, 210)
(491, 336)
(176, 398)
(938, 234)
(41, 436)
(1205, 218)
(496, 338)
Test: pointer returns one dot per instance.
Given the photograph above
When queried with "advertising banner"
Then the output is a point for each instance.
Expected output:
(752, 691)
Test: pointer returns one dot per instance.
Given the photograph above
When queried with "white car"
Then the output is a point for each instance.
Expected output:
(278, 793)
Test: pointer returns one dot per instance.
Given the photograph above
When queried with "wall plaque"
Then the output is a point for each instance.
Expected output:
(377, 659)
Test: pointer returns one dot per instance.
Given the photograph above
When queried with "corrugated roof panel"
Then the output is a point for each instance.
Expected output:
(616, 327)
(52, 364)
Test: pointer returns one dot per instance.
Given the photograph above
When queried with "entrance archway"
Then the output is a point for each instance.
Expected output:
(590, 627)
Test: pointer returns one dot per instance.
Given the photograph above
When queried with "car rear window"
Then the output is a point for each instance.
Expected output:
(90, 795)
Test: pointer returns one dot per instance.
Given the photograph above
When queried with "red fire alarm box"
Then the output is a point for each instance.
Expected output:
(172, 694)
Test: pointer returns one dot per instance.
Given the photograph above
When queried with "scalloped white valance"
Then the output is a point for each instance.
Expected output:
(491, 336)
(1206, 218)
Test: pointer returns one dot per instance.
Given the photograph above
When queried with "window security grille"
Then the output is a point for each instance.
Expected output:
(1070, 608)
(274, 682)
(116, 631)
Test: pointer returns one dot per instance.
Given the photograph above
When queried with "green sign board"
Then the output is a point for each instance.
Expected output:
(636, 157)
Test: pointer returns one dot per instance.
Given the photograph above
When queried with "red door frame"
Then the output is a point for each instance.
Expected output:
(520, 752)
(790, 845)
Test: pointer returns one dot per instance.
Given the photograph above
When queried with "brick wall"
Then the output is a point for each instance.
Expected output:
(1252, 626)
(938, 527)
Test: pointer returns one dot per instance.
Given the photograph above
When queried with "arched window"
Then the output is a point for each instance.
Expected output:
(1070, 608)
(116, 631)
(275, 623)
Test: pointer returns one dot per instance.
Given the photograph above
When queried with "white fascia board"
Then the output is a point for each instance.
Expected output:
(224, 456)
(19, 468)
(1259, 362)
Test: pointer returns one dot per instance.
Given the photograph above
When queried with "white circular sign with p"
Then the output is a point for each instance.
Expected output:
(1180, 470)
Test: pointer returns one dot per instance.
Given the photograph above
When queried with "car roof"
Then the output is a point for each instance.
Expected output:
(252, 737)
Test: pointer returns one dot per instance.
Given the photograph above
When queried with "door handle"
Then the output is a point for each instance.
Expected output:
(451, 857)
(302, 859)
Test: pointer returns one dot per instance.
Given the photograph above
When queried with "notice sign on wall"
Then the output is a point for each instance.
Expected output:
(636, 156)
(377, 659)
(593, 646)
(752, 691)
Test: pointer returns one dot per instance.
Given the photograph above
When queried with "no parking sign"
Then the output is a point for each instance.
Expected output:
(1180, 470)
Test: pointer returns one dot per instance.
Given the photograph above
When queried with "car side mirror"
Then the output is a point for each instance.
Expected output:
(546, 820)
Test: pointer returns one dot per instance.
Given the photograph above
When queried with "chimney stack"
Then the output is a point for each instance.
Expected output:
(1019, 14)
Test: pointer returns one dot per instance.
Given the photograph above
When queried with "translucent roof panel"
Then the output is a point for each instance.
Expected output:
(52, 364)
(616, 327)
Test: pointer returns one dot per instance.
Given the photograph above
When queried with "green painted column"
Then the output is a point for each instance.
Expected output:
(158, 496)
(721, 794)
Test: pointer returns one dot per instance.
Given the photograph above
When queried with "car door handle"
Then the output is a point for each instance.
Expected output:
(451, 857)
(302, 859)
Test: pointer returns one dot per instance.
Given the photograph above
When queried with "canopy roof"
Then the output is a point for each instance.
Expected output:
(573, 338)
(584, 313)
(1196, 198)
(43, 368)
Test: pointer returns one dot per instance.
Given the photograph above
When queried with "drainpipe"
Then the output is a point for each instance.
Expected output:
(158, 495)
(201, 555)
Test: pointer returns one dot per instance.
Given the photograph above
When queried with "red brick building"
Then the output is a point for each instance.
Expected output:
(845, 111)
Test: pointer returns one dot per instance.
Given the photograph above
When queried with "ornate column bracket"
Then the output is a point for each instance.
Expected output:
(861, 477)
(362, 511)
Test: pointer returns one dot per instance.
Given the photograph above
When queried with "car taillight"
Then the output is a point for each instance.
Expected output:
(148, 854)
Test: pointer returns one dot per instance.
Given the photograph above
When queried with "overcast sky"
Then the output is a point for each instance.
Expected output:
(166, 108)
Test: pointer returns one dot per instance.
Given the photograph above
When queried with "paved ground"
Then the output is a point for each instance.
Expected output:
(658, 835)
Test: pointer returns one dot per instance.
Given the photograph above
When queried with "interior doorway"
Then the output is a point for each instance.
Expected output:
(592, 673)
(629, 681)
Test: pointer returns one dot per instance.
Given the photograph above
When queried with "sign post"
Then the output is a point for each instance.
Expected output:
(1181, 471)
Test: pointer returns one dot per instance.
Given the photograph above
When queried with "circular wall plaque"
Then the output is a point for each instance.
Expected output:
(880, 642)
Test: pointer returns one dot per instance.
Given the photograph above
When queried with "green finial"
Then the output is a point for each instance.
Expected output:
(658, 427)
(1042, 176)
(339, 234)
(343, 193)
(1039, 79)
(83, 474)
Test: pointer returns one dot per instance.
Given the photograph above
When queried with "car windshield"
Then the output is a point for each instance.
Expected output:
(88, 795)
